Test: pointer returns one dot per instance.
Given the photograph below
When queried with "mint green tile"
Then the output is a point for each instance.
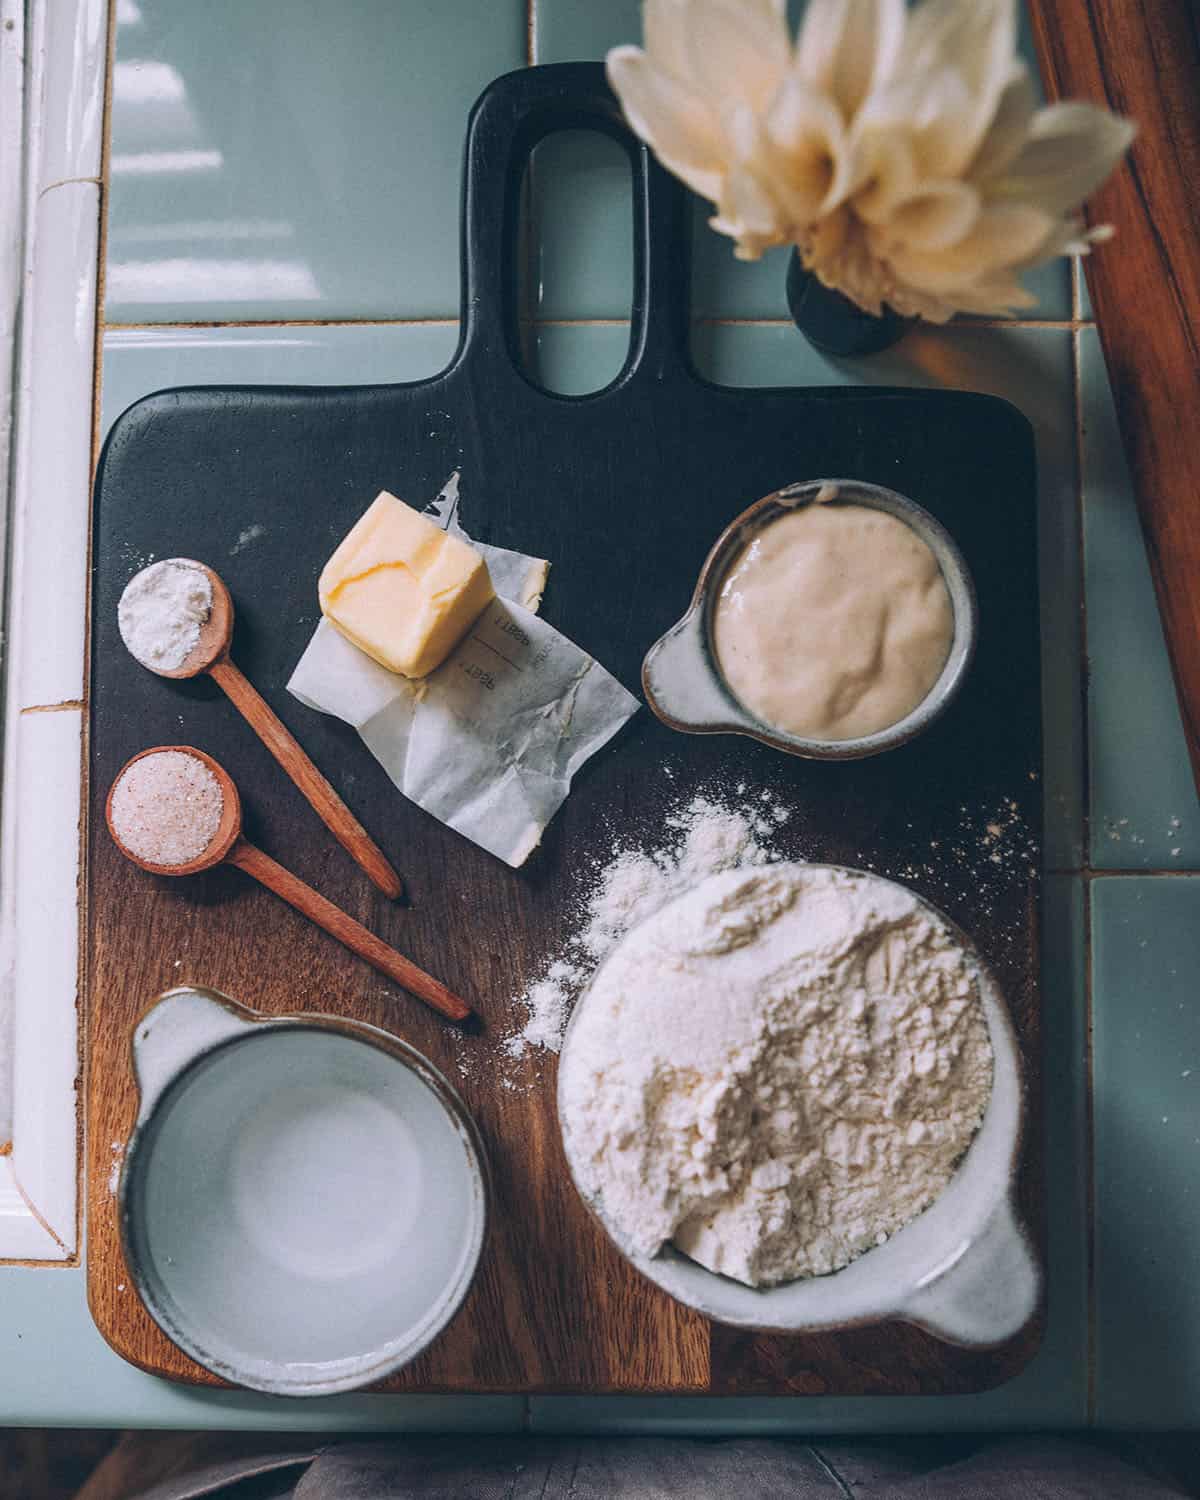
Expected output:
(581, 30)
(1052, 1390)
(1051, 285)
(573, 360)
(1146, 1107)
(1030, 367)
(140, 360)
(1085, 301)
(1144, 810)
(722, 287)
(56, 1371)
(581, 248)
(274, 163)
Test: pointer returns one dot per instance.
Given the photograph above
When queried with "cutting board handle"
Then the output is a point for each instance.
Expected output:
(510, 117)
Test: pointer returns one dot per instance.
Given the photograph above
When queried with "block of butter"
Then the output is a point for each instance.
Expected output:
(402, 589)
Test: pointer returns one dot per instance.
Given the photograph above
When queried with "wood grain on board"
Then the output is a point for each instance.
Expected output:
(1142, 59)
(624, 492)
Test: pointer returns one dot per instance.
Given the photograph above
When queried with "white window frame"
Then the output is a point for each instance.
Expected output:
(53, 56)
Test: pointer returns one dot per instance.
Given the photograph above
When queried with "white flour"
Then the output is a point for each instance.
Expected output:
(777, 1071)
(702, 838)
(162, 610)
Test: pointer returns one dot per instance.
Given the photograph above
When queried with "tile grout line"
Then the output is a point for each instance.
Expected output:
(1089, 1132)
(450, 322)
(1089, 1108)
(1081, 541)
(218, 323)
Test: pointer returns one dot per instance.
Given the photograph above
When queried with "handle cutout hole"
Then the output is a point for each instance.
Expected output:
(576, 269)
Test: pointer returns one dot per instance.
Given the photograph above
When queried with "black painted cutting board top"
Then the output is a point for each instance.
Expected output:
(624, 491)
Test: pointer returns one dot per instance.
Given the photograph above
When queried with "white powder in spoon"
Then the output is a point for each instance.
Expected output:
(162, 610)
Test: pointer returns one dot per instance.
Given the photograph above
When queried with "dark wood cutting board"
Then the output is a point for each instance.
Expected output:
(624, 491)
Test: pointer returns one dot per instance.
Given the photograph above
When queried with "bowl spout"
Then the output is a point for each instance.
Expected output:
(181, 1026)
(985, 1291)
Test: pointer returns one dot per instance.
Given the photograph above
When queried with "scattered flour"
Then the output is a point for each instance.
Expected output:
(707, 835)
(114, 1175)
(247, 538)
(161, 612)
(989, 848)
(777, 1071)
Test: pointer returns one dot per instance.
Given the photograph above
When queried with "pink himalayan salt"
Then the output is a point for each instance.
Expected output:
(167, 807)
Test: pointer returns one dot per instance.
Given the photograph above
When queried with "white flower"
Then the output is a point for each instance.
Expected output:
(901, 151)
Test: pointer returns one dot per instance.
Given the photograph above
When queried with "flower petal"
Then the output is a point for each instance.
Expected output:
(1070, 150)
(960, 33)
(1009, 127)
(678, 125)
(886, 172)
(836, 251)
(1005, 236)
(747, 213)
(934, 217)
(664, 33)
(749, 209)
(994, 297)
(738, 51)
(849, 47)
(932, 111)
(810, 159)
(974, 40)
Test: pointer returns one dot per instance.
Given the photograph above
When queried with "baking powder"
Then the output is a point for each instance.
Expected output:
(162, 610)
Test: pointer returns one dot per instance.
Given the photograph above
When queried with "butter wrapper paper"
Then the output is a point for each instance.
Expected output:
(489, 742)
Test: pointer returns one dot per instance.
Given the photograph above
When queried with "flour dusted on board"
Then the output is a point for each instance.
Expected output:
(711, 832)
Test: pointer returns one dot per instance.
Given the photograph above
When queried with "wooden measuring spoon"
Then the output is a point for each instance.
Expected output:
(211, 654)
(228, 846)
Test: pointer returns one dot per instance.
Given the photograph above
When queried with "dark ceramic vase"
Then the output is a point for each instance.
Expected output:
(831, 322)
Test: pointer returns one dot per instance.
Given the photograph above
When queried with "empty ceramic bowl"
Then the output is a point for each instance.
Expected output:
(963, 1269)
(303, 1201)
(681, 675)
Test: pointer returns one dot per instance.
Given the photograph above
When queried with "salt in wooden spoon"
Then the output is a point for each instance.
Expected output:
(211, 654)
(228, 846)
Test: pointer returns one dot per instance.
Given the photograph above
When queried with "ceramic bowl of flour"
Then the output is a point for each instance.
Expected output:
(303, 1201)
(963, 1268)
(682, 674)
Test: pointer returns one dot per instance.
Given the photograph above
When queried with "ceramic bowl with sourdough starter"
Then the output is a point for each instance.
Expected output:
(963, 1270)
(303, 1200)
(682, 677)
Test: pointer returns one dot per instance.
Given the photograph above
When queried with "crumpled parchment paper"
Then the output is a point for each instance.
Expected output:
(489, 742)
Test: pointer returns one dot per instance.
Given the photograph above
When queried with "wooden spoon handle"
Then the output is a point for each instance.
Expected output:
(343, 927)
(329, 807)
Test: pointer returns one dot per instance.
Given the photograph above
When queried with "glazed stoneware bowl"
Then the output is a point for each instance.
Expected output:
(303, 1201)
(681, 675)
(964, 1270)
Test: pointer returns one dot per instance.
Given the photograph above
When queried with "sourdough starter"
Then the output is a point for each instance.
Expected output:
(834, 622)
